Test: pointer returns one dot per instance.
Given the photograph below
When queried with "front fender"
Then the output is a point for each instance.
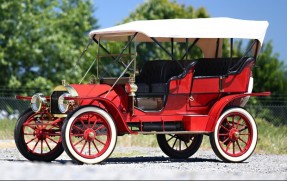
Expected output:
(217, 108)
(112, 110)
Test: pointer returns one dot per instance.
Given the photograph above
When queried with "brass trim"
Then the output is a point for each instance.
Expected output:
(60, 115)
(68, 88)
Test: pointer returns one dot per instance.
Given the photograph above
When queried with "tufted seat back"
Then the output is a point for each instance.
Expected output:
(206, 67)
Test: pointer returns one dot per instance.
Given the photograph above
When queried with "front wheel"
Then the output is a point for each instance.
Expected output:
(89, 135)
(38, 136)
(179, 146)
(235, 135)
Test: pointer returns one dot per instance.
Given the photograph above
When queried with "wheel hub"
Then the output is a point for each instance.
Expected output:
(89, 135)
(40, 134)
(234, 134)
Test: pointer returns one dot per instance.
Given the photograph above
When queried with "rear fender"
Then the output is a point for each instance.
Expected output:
(218, 107)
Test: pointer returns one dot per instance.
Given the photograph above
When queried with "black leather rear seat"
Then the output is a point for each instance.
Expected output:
(154, 76)
(214, 67)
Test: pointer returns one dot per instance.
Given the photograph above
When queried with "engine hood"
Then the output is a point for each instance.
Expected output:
(91, 90)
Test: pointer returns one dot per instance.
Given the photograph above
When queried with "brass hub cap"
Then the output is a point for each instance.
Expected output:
(89, 135)
(234, 134)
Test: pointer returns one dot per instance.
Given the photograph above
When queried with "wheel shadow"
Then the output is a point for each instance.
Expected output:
(126, 160)
(157, 159)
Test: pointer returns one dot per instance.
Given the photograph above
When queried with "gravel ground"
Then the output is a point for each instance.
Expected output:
(141, 163)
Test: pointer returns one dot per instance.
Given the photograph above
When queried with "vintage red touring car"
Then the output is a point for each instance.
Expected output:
(177, 99)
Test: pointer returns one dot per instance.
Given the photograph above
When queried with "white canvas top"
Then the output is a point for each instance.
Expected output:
(180, 29)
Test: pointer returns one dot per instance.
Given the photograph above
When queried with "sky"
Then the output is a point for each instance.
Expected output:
(111, 12)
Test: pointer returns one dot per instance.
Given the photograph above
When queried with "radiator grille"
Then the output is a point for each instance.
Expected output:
(54, 102)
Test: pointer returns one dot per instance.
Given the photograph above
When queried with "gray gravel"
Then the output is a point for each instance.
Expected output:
(138, 163)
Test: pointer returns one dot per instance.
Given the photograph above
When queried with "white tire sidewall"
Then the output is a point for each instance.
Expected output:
(113, 135)
(254, 138)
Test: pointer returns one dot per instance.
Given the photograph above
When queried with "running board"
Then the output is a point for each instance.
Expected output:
(173, 132)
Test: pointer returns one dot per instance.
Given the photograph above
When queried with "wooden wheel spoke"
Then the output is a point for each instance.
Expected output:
(102, 126)
(174, 143)
(94, 123)
(100, 141)
(238, 123)
(89, 148)
(78, 142)
(77, 134)
(225, 140)
(221, 126)
(41, 146)
(52, 140)
(78, 128)
(243, 128)
(186, 144)
(238, 146)
(172, 136)
(89, 121)
(29, 134)
(223, 134)
(83, 124)
(233, 144)
(48, 145)
(35, 145)
(233, 121)
(244, 134)
(30, 126)
(242, 140)
(228, 123)
(83, 147)
(95, 146)
(30, 140)
(227, 147)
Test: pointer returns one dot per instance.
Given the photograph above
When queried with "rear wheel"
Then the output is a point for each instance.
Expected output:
(89, 135)
(235, 136)
(179, 145)
(37, 137)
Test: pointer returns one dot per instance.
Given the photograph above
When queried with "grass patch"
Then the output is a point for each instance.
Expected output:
(271, 139)
(7, 129)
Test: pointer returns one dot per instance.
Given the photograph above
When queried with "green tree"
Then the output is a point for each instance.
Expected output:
(40, 41)
(163, 9)
(270, 73)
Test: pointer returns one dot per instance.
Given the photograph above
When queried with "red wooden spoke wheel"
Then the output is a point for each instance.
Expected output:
(235, 135)
(179, 145)
(38, 137)
(89, 135)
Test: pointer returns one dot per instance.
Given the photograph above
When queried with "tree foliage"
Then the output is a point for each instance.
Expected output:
(163, 9)
(40, 41)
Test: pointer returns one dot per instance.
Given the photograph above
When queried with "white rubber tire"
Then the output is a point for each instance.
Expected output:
(113, 135)
(253, 142)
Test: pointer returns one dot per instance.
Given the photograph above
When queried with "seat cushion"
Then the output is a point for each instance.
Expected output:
(159, 88)
(142, 88)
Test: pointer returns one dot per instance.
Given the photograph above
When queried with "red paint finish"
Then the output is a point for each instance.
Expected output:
(183, 85)
(235, 134)
(195, 122)
(217, 108)
(90, 135)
